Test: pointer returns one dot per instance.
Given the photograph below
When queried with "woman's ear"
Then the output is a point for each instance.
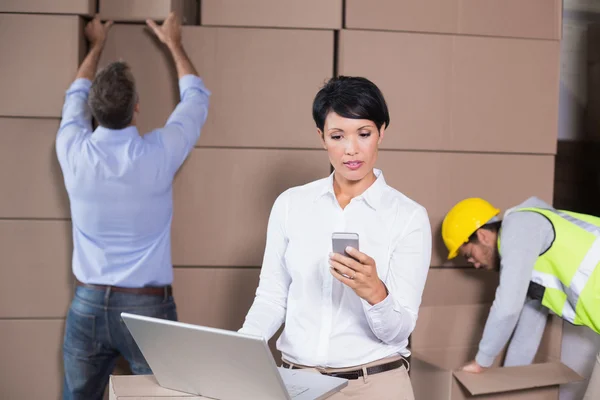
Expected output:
(322, 138)
(381, 133)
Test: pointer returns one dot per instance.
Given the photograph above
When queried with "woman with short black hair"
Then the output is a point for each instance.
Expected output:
(348, 315)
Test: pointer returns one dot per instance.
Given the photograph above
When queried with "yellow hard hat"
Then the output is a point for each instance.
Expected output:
(463, 220)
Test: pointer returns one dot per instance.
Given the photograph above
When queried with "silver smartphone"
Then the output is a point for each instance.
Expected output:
(341, 240)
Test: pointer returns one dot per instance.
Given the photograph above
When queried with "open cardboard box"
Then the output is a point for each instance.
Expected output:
(452, 316)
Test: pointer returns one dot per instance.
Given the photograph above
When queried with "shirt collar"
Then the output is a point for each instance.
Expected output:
(106, 134)
(372, 196)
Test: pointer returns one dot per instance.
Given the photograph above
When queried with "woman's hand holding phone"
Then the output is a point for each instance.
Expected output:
(359, 273)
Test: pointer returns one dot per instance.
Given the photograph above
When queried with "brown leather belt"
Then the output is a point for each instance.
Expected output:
(148, 290)
(358, 372)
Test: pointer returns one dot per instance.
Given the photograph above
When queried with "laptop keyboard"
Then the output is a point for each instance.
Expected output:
(295, 390)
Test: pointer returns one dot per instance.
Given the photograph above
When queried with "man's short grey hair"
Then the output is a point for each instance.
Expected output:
(113, 96)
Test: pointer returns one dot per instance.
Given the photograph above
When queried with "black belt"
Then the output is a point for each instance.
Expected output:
(165, 291)
(358, 372)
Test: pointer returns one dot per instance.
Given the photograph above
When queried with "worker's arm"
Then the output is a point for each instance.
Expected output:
(393, 319)
(183, 127)
(76, 119)
(523, 237)
(95, 32)
(528, 334)
(269, 308)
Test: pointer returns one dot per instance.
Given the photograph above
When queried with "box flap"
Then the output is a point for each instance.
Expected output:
(497, 380)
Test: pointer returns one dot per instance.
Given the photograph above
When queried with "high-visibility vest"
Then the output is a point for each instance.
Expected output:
(569, 268)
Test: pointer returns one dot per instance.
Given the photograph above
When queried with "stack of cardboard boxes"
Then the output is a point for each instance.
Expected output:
(472, 88)
(473, 91)
(40, 56)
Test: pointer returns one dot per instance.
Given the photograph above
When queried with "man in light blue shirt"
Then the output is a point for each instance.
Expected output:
(120, 188)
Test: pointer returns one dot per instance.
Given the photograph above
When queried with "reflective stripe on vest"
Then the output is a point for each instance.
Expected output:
(587, 266)
(582, 272)
(552, 282)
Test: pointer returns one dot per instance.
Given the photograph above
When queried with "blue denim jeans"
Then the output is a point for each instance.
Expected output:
(95, 337)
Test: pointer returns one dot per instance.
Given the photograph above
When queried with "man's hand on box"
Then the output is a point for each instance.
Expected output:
(96, 32)
(473, 368)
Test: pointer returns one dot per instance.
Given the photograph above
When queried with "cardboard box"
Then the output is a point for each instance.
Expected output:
(140, 10)
(259, 97)
(316, 14)
(223, 199)
(452, 316)
(437, 181)
(42, 66)
(461, 93)
(143, 387)
(32, 358)
(215, 297)
(536, 19)
(35, 273)
(79, 7)
(29, 170)
(225, 296)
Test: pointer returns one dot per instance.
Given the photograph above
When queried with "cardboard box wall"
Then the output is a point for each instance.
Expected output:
(259, 98)
(141, 10)
(80, 7)
(223, 199)
(29, 170)
(41, 66)
(32, 358)
(536, 19)
(460, 93)
(438, 180)
(315, 14)
(452, 316)
(35, 274)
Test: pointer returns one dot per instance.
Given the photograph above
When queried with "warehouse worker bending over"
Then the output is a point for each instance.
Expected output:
(120, 188)
(548, 261)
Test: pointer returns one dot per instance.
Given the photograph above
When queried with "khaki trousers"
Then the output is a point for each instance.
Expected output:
(593, 389)
(388, 385)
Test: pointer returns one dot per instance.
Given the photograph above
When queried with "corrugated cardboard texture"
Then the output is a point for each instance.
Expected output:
(538, 19)
(80, 7)
(320, 14)
(461, 93)
(259, 97)
(215, 297)
(41, 66)
(223, 198)
(439, 180)
(140, 10)
(32, 361)
(35, 273)
(29, 171)
(514, 378)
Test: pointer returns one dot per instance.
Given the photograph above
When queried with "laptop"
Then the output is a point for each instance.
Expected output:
(221, 364)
